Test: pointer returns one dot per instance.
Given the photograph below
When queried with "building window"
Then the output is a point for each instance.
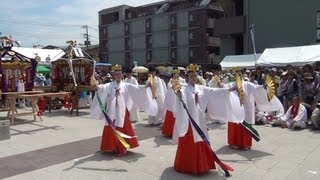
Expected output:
(173, 54)
(173, 38)
(105, 32)
(191, 35)
(149, 39)
(127, 27)
(129, 14)
(190, 17)
(116, 16)
(191, 53)
(148, 24)
(148, 55)
(106, 45)
(128, 42)
(172, 20)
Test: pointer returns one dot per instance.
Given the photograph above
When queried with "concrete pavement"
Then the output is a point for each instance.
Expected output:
(70, 145)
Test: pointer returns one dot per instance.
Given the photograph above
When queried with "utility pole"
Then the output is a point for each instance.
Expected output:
(86, 35)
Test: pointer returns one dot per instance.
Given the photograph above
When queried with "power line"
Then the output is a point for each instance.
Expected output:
(41, 23)
(95, 29)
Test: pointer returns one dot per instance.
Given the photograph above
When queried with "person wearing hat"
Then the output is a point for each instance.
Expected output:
(307, 89)
(194, 154)
(118, 98)
(134, 117)
(158, 89)
(169, 120)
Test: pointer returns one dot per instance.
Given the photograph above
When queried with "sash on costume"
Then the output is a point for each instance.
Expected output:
(253, 132)
(224, 167)
(118, 134)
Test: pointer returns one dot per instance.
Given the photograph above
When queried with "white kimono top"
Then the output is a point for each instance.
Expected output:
(216, 101)
(132, 80)
(253, 94)
(117, 105)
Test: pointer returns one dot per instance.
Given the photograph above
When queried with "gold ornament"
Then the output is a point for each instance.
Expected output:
(269, 84)
(218, 79)
(192, 68)
(153, 86)
(237, 69)
(93, 81)
(176, 86)
(116, 67)
(175, 71)
(239, 88)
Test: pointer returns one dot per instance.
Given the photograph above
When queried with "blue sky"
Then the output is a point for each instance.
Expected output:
(44, 22)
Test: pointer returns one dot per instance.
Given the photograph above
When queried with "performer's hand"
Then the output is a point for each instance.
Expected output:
(148, 84)
(179, 94)
(265, 86)
(233, 88)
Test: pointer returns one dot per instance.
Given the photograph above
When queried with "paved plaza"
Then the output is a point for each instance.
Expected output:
(67, 147)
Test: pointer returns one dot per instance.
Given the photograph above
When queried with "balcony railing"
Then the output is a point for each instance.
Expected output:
(213, 41)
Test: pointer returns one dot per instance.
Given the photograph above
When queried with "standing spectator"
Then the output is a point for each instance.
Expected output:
(134, 114)
(158, 89)
(291, 88)
(48, 81)
(307, 94)
(282, 87)
(260, 77)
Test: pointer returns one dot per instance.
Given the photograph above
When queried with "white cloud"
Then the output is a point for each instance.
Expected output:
(51, 15)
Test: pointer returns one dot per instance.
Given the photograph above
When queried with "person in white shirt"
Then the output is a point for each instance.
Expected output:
(134, 114)
(296, 116)
(158, 89)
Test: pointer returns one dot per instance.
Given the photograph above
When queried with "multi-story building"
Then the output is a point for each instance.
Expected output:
(278, 23)
(176, 31)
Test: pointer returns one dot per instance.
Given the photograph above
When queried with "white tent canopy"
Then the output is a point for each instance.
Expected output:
(53, 54)
(296, 56)
(245, 61)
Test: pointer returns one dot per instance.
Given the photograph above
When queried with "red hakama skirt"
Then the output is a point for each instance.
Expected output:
(238, 137)
(168, 124)
(110, 142)
(191, 157)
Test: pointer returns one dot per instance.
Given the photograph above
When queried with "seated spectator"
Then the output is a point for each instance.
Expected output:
(296, 116)
(315, 117)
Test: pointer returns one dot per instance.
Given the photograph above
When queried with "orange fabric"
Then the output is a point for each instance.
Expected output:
(110, 142)
(238, 136)
(167, 128)
(191, 157)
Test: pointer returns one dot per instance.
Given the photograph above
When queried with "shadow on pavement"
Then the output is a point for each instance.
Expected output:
(162, 141)
(171, 174)
(248, 154)
(216, 126)
(28, 132)
(130, 157)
